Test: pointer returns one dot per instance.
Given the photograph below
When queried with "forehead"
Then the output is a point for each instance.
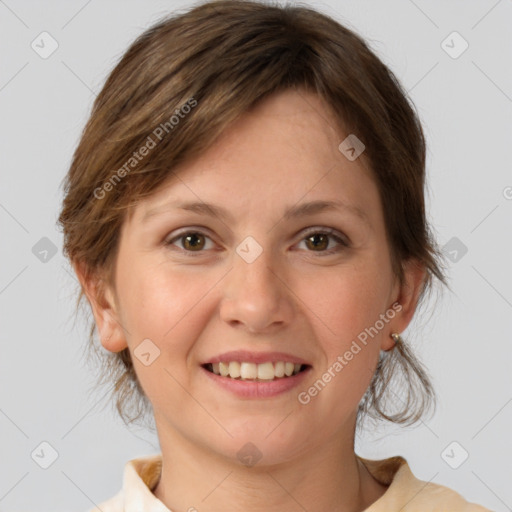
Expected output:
(284, 149)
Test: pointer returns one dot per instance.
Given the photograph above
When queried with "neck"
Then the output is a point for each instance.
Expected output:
(329, 477)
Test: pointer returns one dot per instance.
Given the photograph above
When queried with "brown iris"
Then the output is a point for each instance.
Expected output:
(322, 244)
(193, 241)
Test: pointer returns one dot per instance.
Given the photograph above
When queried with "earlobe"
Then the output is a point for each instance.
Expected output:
(103, 307)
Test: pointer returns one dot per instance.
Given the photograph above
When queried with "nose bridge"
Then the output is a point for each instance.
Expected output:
(254, 293)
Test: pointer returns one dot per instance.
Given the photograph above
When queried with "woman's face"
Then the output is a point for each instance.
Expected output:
(269, 278)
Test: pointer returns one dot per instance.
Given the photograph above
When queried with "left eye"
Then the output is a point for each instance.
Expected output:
(318, 241)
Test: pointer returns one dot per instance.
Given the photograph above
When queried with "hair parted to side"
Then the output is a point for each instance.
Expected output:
(223, 57)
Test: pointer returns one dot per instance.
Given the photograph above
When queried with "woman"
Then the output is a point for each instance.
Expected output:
(245, 214)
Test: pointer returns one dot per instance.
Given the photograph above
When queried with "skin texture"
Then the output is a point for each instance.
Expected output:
(292, 298)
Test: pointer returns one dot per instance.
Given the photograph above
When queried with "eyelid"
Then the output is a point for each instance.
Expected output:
(340, 238)
(328, 231)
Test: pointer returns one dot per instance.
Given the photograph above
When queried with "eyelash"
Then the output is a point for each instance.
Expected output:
(313, 231)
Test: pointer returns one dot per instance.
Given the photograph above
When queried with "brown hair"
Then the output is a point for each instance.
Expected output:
(220, 58)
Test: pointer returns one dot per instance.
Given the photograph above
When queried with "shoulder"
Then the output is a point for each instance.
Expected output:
(436, 498)
(407, 493)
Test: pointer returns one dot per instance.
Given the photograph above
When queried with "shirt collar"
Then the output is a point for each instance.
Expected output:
(140, 478)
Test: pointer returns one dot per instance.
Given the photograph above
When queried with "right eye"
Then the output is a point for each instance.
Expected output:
(191, 241)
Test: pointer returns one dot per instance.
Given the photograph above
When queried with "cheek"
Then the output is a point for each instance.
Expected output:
(170, 309)
(162, 305)
(351, 299)
(346, 310)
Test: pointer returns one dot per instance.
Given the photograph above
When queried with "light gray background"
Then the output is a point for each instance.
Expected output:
(466, 106)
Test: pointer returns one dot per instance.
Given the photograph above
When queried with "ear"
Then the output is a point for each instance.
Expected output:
(405, 299)
(104, 308)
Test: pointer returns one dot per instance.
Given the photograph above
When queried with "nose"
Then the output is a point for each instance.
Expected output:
(255, 296)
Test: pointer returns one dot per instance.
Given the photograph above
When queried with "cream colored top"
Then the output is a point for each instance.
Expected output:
(405, 492)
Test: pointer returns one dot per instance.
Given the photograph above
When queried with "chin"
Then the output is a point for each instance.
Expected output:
(262, 442)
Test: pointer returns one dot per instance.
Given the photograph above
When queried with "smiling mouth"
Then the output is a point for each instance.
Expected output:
(256, 372)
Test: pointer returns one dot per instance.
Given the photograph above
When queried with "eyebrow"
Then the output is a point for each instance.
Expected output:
(292, 212)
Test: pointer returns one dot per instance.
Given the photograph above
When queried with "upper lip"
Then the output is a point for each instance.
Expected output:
(255, 357)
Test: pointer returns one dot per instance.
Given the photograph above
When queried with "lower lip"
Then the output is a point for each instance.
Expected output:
(258, 389)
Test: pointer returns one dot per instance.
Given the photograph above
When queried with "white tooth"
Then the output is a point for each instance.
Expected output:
(224, 369)
(215, 368)
(234, 369)
(266, 371)
(248, 371)
(288, 369)
(279, 369)
(296, 368)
